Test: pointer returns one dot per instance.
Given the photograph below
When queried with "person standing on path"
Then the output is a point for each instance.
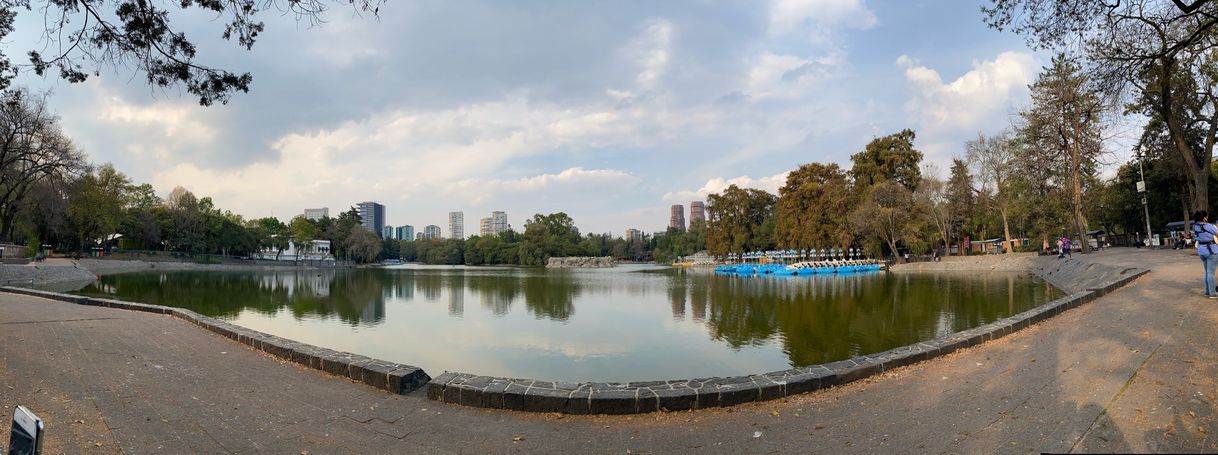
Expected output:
(1204, 232)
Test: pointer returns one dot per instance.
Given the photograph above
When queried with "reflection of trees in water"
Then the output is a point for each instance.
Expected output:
(551, 295)
(495, 292)
(822, 319)
(428, 285)
(353, 297)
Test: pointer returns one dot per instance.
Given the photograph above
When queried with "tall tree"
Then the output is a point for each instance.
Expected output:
(1065, 120)
(33, 148)
(961, 199)
(97, 207)
(888, 158)
(739, 220)
(1160, 50)
(810, 207)
(932, 195)
(993, 158)
(887, 214)
(303, 232)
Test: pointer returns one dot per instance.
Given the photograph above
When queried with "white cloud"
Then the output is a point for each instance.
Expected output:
(650, 52)
(773, 76)
(718, 184)
(434, 161)
(972, 101)
(788, 15)
(571, 182)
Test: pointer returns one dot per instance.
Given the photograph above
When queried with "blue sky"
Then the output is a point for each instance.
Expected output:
(609, 111)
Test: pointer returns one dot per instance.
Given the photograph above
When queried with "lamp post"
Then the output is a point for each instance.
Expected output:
(1142, 191)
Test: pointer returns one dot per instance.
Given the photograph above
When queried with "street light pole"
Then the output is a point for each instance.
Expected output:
(1142, 191)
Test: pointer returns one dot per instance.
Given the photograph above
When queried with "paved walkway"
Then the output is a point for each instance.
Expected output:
(1133, 371)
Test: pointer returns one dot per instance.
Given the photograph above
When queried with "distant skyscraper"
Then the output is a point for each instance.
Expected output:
(409, 234)
(697, 212)
(317, 214)
(420, 236)
(387, 232)
(484, 227)
(431, 231)
(676, 219)
(633, 235)
(499, 222)
(401, 233)
(456, 225)
(372, 216)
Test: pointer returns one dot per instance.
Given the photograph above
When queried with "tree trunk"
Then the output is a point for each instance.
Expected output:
(1080, 223)
(1197, 175)
(1006, 229)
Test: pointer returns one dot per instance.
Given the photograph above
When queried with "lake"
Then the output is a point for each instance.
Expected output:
(629, 323)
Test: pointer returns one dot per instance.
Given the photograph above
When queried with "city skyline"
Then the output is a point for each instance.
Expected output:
(659, 104)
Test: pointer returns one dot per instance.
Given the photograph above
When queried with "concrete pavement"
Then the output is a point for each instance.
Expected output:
(1132, 371)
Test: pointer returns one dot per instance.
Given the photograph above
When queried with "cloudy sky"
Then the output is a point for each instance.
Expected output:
(609, 111)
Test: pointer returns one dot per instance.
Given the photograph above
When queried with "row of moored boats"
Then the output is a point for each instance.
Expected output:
(802, 268)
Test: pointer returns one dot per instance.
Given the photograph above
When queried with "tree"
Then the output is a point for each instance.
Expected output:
(33, 149)
(961, 199)
(272, 234)
(810, 205)
(888, 158)
(887, 214)
(546, 236)
(932, 194)
(140, 34)
(363, 245)
(1064, 120)
(303, 233)
(739, 220)
(993, 158)
(96, 210)
(1161, 51)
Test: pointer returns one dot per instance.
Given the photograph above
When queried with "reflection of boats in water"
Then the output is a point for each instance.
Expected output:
(803, 268)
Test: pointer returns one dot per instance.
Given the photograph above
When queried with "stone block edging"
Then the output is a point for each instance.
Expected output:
(686, 394)
(393, 377)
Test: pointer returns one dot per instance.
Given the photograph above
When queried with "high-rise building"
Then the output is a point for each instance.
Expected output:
(485, 227)
(317, 214)
(697, 212)
(387, 232)
(420, 236)
(431, 232)
(634, 235)
(676, 219)
(404, 232)
(372, 216)
(409, 232)
(499, 222)
(456, 225)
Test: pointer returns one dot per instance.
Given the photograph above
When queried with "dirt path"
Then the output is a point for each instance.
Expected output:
(1132, 371)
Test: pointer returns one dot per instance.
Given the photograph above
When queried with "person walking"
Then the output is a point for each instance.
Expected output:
(1203, 232)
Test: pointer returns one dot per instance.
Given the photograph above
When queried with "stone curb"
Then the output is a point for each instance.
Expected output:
(686, 394)
(393, 377)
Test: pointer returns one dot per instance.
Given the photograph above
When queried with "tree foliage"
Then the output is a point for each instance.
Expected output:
(84, 36)
(33, 149)
(810, 207)
(888, 158)
(740, 220)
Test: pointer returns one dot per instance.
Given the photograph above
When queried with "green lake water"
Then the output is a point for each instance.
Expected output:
(629, 323)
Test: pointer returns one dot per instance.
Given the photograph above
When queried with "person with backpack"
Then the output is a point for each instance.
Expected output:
(1204, 232)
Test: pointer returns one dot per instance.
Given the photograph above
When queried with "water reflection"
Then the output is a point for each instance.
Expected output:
(648, 318)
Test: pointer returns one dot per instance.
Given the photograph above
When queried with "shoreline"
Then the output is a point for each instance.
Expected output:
(56, 273)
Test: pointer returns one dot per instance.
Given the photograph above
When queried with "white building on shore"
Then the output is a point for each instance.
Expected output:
(318, 250)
